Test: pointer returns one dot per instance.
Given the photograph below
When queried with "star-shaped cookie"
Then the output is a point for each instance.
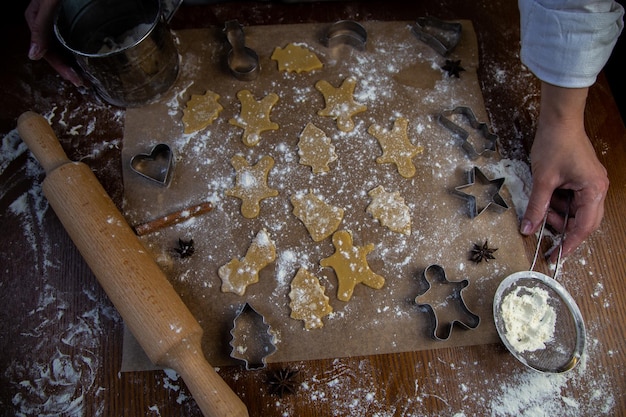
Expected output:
(251, 184)
(340, 104)
(254, 117)
(350, 265)
(397, 148)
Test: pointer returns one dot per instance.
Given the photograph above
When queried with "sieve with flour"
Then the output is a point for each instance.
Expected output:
(538, 320)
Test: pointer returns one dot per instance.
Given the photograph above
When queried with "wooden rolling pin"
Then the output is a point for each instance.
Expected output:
(149, 305)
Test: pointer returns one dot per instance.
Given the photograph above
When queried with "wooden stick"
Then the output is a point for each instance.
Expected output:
(172, 218)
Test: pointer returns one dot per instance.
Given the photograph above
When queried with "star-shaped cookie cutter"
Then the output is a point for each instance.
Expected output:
(448, 39)
(252, 340)
(476, 175)
(436, 275)
(491, 139)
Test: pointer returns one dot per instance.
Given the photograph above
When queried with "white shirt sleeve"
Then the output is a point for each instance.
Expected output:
(567, 42)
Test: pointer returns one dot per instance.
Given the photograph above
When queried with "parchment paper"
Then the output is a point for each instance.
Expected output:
(397, 76)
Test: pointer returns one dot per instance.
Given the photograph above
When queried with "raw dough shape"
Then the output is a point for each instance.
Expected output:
(201, 111)
(251, 184)
(397, 148)
(315, 149)
(254, 117)
(308, 301)
(350, 265)
(237, 274)
(390, 210)
(296, 58)
(340, 104)
(320, 219)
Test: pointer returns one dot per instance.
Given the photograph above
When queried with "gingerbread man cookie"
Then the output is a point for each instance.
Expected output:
(254, 117)
(350, 265)
(340, 104)
(397, 148)
(251, 184)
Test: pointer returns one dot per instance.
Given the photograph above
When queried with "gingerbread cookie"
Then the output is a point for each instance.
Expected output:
(251, 184)
(254, 117)
(237, 274)
(315, 149)
(201, 111)
(390, 210)
(319, 218)
(308, 301)
(296, 58)
(397, 148)
(350, 265)
(340, 104)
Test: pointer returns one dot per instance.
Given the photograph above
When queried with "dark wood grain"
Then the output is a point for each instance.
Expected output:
(47, 293)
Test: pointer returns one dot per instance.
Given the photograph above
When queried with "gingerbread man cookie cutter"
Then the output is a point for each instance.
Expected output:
(491, 139)
(438, 300)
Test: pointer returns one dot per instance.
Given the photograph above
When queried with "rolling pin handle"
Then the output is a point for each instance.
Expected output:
(38, 135)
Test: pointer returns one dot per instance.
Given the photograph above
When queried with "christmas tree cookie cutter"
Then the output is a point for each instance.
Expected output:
(491, 140)
(252, 339)
(444, 300)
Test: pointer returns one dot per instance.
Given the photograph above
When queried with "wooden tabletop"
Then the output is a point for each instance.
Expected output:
(61, 338)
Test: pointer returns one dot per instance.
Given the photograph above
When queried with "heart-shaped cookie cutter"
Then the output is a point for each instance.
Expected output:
(156, 166)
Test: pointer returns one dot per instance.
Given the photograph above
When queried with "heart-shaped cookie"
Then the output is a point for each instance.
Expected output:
(156, 165)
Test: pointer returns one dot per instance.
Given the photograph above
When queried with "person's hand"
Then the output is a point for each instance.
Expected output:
(563, 158)
(40, 18)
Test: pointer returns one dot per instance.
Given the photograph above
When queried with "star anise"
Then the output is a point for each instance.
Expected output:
(282, 381)
(453, 68)
(482, 252)
(185, 248)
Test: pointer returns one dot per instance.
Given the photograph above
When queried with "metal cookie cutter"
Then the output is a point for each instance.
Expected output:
(444, 300)
(252, 340)
(491, 140)
(440, 35)
(243, 62)
(155, 166)
(347, 32)
(475, 177)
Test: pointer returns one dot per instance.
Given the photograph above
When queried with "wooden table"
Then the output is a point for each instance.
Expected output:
(61, 339)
